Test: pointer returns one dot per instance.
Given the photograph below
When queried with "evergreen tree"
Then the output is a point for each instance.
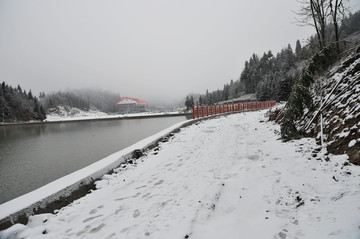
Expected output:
(284, 90)
(3, 86)
(207, 98)
(298, 49)
(30, 96)
(19, 89)
(36, 109)
(42, 95)
(189, 102)
(2, 105)
(16, 105)
(42, 112)
(226, 92)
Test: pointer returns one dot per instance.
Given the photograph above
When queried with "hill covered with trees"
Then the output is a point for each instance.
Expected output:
(18, 105)
(319, 81)
(272, 76)
(82, 99)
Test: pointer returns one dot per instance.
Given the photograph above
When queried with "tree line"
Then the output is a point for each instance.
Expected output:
(272, 77)
(18, 105)
(82, 99)
(269, 77)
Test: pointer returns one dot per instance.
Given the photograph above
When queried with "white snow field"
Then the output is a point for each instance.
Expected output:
(228, 177)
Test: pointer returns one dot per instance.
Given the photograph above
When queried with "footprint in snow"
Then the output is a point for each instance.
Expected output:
(91, 218)
(98, 228)
(136, 213)
(281, 235)
(119, 210)
(93, 211)
(254, 157)
(136, 195)
(158, 183)
(85, 229)
(146, 195)
(144, 186)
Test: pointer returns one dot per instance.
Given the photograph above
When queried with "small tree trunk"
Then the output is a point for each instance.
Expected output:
(315, 23)
(334, 11)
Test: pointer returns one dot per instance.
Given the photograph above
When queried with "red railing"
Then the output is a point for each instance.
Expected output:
(206, 110)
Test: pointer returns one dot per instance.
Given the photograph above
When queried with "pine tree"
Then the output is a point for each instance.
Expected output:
(2, 106)
(30, 96)
(200, 100)
(16, 105)
(42, 112)
(207, 97)
(36, 109)
(3, 86)
(298, 49)
(189, 102)
(290, 57)
(42, 95)
(19, 89)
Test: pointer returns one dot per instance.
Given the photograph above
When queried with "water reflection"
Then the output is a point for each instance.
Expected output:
(34, 155)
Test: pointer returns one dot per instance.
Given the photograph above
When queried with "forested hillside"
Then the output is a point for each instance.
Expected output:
(82, 99)
(272, 76)
(18, 105)
(324, 101)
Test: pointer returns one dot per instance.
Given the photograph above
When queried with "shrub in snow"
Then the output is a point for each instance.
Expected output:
(300, 99)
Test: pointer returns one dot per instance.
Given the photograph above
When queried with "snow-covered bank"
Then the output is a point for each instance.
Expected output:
(63, 189)
(80, 115)
(74, 114)
(336, 98)
(227, 177)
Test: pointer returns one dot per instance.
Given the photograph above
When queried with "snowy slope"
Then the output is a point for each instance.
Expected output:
(62, 113)
(71, 113)
(228, 177)
(340, 106)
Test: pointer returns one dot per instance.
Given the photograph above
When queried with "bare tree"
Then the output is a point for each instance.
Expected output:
(316, 13)
(313, 13)
(319, 14)
(336, 7)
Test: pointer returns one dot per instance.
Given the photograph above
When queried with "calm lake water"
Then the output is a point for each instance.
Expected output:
(34, 155)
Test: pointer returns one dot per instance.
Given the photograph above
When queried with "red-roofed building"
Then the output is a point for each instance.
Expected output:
(132, 105)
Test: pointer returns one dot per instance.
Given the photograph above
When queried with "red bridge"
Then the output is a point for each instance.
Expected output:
(208, 110)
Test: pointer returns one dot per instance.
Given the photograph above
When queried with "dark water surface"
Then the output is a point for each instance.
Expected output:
(34, 155)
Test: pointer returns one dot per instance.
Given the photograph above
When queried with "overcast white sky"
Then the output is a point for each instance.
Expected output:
(150, 49)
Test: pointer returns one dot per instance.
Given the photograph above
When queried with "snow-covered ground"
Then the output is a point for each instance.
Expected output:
(228, 177)
(71, 114)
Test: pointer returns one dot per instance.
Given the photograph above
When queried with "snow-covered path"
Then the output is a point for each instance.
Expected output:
(227, 177)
